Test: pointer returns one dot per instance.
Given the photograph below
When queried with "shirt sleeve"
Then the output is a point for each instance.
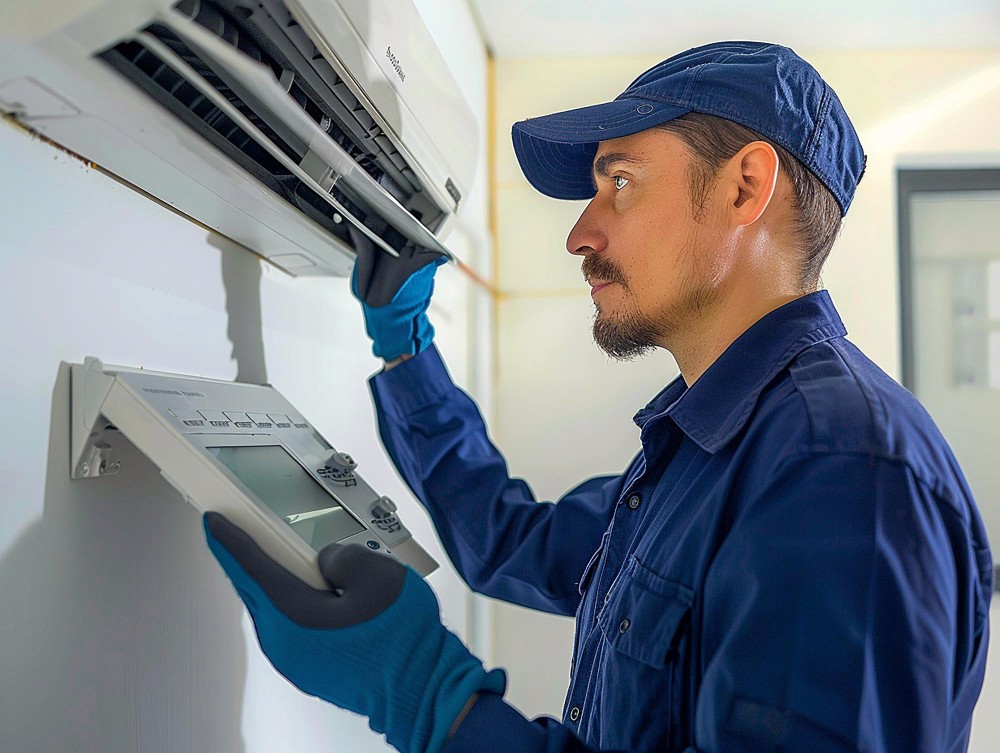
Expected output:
(503, 542)
(830, 612)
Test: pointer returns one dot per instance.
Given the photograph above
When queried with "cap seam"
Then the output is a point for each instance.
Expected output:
(694, 78)
(835, 190)
(812, 143)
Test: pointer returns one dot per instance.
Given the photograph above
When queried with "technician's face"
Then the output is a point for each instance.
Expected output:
(651, 265)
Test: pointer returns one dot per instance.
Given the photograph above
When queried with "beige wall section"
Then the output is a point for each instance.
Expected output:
(564, 410)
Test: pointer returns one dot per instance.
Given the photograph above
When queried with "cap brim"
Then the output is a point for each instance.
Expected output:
(556, 152)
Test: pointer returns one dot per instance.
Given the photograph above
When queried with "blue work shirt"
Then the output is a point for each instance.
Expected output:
(793, 561)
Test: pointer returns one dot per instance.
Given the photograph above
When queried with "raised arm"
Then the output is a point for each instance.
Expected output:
(503, 542)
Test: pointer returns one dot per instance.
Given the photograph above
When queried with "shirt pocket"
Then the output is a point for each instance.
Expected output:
(642, 675)
(644, 614)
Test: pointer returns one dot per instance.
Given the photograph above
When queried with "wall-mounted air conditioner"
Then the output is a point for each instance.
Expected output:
(278, 123)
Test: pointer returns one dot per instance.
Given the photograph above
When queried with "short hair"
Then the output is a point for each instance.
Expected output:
(816, 214)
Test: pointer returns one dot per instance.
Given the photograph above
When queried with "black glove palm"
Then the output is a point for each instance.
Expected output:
(378, 276)
(395, 295)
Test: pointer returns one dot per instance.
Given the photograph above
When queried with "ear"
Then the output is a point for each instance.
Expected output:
(754, 174)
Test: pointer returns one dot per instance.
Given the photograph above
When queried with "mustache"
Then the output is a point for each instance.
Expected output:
(595, 265)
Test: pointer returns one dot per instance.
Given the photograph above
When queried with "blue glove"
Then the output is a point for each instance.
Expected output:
(394, 295)
(374, 644)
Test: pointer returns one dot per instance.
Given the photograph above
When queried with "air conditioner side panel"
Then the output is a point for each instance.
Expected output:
(396, 65)
(163, 157)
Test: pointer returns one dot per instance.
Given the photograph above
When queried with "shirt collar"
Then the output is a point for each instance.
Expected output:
(720, 402)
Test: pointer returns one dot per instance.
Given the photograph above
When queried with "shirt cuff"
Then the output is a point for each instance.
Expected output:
(414, 384)
(493, 726)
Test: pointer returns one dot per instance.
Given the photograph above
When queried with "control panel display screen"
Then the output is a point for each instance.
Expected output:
(290, 492)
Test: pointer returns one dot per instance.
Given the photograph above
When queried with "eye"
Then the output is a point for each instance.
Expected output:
(620, 182)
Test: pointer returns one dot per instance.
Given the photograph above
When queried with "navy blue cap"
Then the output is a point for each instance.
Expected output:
(765, 87)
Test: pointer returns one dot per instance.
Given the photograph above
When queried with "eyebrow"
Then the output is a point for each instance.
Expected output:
(602, 165)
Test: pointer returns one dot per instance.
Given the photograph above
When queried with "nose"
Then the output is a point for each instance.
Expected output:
(587, 235)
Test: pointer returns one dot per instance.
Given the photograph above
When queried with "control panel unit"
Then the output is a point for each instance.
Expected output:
(241, 450)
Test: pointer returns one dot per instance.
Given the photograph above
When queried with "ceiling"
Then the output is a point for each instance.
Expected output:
(615, 28)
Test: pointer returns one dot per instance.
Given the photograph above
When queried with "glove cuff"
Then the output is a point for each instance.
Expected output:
(392, 339)
(452, 699)
(401, 327)
(418, 715)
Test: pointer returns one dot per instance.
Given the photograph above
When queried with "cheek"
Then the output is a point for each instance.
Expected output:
(666, 257)
(651, 245)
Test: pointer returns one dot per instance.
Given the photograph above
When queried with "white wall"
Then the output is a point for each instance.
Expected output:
(564, 410)
(118, 631)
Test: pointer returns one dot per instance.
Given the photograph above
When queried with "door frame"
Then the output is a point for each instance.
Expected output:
(910, 182)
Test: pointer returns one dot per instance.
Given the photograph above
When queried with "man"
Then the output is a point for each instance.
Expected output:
(793, 561)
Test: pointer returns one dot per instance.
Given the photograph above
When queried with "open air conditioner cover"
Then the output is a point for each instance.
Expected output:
(278, 123)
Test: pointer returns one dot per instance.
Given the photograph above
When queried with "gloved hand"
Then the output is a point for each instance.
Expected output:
(394, 295)
(373, 644)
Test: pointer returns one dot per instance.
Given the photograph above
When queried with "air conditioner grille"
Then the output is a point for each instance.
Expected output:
(255, 33)
(170, 82)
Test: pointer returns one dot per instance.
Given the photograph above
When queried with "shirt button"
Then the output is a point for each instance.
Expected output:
(626, 624)
(574, 714)
(633, 501)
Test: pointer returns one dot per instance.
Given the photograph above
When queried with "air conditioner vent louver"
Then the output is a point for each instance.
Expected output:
(134, 60)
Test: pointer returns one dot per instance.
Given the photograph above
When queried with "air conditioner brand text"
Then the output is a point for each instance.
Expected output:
(395, 63)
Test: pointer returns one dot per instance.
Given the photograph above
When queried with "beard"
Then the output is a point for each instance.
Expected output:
(630, 334)
(625, 337)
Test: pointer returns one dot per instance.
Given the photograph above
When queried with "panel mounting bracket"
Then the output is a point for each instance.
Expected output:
(91, 453)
